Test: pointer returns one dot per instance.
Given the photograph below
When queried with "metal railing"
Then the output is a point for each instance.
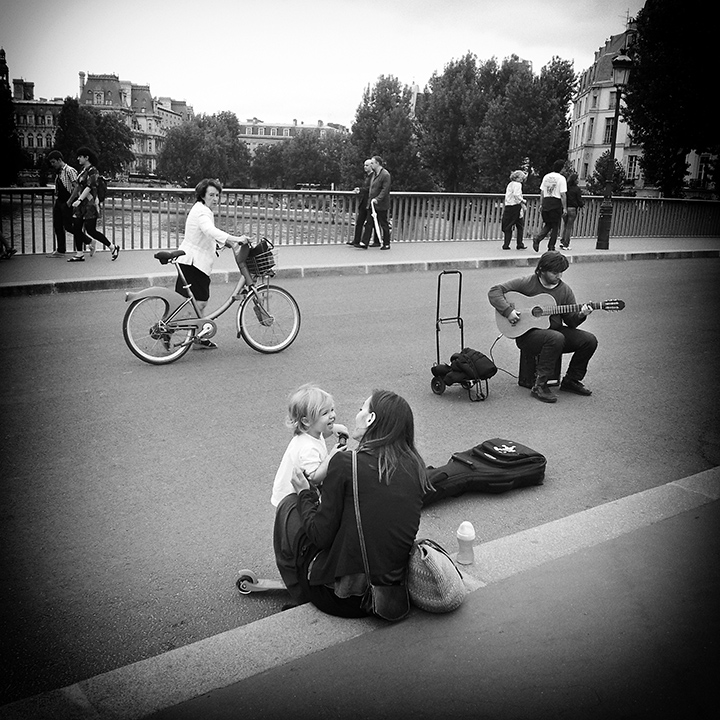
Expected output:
(150, 218)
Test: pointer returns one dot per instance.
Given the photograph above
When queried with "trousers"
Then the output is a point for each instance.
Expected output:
(548, 345)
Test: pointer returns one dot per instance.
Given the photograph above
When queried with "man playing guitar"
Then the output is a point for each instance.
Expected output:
(563, 335)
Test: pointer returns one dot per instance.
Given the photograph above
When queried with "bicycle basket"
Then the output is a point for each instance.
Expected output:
(261, 259)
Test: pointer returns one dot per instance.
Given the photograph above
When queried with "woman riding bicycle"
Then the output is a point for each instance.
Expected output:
(202, 244)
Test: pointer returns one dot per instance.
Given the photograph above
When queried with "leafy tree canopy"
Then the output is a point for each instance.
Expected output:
(667, 95)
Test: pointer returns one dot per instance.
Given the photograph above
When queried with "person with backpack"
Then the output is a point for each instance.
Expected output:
(85, 202)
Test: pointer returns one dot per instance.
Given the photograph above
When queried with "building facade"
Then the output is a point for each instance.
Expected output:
(593, 117)
(149, 118)
(255, 132)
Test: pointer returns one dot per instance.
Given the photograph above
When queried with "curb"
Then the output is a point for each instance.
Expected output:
(138, 690)
(133, 282)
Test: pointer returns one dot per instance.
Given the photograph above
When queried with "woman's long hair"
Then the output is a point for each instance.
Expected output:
(391, 437)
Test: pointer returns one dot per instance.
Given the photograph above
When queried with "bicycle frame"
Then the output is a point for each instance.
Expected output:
(176, 303)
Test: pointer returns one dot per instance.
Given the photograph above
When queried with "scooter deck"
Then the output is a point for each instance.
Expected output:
(248, 582)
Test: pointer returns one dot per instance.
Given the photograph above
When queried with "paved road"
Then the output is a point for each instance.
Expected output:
(126, 513)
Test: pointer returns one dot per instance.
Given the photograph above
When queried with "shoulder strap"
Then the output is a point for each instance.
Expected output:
(357, 515)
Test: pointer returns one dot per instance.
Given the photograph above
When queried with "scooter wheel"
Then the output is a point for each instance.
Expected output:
(438, 385)
(245, 582)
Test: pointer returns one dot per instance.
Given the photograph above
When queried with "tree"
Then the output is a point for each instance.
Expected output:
(268, 169)
(667, 95)
(383, 126)
(76, 128)
(206, 146)
(114, 141)
(596, 183)
(10, 150)
(526, 125)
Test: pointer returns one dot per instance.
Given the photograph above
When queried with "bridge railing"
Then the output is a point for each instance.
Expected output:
(150, 218)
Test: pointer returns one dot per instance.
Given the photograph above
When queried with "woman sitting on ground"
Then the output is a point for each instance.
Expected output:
(317, 548)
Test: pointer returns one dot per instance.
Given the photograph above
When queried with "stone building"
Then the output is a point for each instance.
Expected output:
(149, 118)
(255, 132)
(593, 117)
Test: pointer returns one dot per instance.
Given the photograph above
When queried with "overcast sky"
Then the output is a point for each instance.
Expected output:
(281, 60)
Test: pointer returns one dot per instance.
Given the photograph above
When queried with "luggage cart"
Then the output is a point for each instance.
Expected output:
(439, 370)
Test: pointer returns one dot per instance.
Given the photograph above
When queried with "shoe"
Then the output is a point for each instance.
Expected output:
(385, 247)
(77, 258)
(374, 244)
(562, 247)
(505, 247)
(536, 245)
(205, 345)
(522, 247)
(542, 393)
(361, 246)
(575, 386)
(55, 254)
(92, 248)
(351, 242)
(115, 252)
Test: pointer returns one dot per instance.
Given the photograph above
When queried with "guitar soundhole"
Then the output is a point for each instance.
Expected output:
(537, 311)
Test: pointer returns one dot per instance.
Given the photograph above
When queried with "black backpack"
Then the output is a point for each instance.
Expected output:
(494, 466)
(102, 187)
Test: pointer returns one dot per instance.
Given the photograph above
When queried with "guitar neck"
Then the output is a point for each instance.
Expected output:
(563, 309)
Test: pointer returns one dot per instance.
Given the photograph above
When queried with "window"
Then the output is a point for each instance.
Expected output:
(39, 141)
(613, 100)
(584, 171)
(273, 131)
(591, 127)
(30, 141)
(286, 132)
(633, 167)
(607, 137)
(261, 131)
(594, 100)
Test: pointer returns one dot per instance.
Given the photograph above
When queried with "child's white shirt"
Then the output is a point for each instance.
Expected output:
(303, 452)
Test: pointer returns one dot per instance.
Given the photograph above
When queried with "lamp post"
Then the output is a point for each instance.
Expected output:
(621, 66)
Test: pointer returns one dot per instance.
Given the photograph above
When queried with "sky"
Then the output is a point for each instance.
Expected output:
(285, 60)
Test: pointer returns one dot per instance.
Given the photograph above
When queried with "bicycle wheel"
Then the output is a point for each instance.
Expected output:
(269, 321)
(147, 336)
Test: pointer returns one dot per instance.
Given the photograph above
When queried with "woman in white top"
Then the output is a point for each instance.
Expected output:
(202, 244)
(514, 210)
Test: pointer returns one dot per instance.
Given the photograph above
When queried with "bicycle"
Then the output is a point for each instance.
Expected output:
(160, 325)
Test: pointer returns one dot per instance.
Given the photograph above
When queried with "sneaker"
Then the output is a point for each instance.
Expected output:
(522, 247)
(115, 252)
(77, 258)
(205, 345)
(536, 245)
(575, 386)
(542, 393)
(55, 254)
(92, 248)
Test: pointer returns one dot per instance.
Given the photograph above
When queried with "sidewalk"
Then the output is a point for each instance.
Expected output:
(38, 274)
(609, 613)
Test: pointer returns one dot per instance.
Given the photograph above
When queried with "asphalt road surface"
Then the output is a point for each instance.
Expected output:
(133, 494)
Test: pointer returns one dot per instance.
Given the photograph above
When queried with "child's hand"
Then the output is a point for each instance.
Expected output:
(299, 481)
(339, 429)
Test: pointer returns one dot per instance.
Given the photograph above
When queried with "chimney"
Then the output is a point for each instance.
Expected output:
(82, 83)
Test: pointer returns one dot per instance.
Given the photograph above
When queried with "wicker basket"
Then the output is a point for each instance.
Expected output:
(261, 259)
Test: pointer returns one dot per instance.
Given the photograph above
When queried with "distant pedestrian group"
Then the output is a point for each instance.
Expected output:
(374, 205)
(561, 199)
(77, 206)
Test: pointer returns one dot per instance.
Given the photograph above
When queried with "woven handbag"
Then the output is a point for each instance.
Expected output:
(434, 581)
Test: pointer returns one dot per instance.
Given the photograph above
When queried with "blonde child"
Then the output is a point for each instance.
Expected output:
(311, 414)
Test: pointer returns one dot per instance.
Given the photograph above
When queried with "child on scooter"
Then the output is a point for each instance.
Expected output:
(311, 414)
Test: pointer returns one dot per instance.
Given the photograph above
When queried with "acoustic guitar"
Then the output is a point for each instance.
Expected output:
(535, 312)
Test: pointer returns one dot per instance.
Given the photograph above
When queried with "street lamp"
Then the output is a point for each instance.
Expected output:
(621, 66)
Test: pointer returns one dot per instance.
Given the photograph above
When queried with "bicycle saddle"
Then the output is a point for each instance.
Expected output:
(165, 256)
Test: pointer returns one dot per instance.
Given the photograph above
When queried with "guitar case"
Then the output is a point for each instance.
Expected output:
(495, 466)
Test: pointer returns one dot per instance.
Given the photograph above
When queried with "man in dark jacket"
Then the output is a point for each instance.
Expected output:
(378, 205)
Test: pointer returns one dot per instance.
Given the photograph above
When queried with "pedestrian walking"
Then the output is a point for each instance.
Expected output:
(65, 179)
(574, 203)
(86, 205)
(514, 210)
(553, 190)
